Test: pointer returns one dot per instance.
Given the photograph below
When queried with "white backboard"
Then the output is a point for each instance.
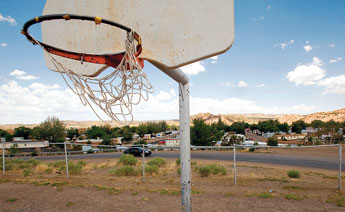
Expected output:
(173, 32)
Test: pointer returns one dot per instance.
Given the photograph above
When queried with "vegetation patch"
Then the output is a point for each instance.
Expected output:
(151, 169)
(339, 200)
(40, 183)
(292, 197)
(11, 200)
(229, 194)
(293, 174)
(265, 195)
(205, 171)
(69, 203)
(124, 171)
(292, 187)
(274, 180)
(158, 161)
(128, 160)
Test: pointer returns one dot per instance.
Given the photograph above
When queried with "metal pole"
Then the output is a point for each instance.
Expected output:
(234, 163)
(67, 172)
(185, 147)
(3, 158)
(339, 174)
(143, 162)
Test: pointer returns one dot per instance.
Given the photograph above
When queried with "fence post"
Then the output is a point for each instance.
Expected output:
(234, 163)
(3, 158)
(143, 162)
(67, 171)
(339, 174)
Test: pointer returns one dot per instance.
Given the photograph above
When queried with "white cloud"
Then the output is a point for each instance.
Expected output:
(3, 44)
(317, 61)
(331, 45)
(307, 48)
(22, 75)
(214, 59)
(8, 19)
(239, 84)
(307, 74)
(334, 85)
(33, 103)
(306, 42)
(194, 68)
(258, 19)
(261, 85)
(335, 60)
(268, 7)
(302, 109)
(284, 45)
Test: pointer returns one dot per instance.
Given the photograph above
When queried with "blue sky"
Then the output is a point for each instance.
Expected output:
(288, 57)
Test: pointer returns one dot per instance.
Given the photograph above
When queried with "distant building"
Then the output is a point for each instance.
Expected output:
(147, 136)
(172, 141)
(26, 144)
(268, 134)
(290, 137)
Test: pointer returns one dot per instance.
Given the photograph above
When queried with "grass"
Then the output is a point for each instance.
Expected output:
(135, 193)
(205, 171)
(229, 194)
(292, 187)
(151, 169)
(293, 174)
(40, 183)
(128, 160)
(111, 190)
(274, 180)
(11, 200)
(125, 171)
(292, 197)
(159, 162)
(339, 200)
(69, 203)
(261, 195)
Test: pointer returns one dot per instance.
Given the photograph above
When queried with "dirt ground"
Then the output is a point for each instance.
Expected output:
(259, 187)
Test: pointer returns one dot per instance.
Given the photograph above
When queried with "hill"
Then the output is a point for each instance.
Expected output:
(337, 115)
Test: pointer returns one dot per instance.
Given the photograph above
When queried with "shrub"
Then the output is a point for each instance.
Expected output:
(26, 172)
(82, 163)
(252, 149)
(150, 169)
(124, 171)
(156, 162)
(48, 171)
(128, 160)
(179, 171)
(293, 174)
(204, 171)
(75, 168)
(34, 153)
(272, 141)
(178, 162)
(216, 169)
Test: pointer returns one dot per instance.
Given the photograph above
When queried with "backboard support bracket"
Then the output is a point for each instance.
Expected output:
(184, 114)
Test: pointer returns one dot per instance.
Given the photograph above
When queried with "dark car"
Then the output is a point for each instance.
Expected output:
(137, 151)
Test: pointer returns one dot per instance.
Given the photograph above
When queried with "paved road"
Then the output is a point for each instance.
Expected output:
(303, 161)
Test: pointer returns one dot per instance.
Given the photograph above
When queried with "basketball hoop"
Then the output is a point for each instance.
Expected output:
(114, 93)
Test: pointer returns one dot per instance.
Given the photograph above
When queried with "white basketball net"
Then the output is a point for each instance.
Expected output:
(115, 93)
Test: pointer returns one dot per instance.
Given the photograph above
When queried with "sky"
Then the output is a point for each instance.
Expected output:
(287, 57)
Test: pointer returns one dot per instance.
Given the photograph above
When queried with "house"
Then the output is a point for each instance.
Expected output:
(93, 142)
(26, 144)
(309, 130)
(159, 135)
(289, 137)
(147, 136)
(268, 134)
(172, 141)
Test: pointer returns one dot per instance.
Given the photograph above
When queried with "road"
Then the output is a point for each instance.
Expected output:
(303, 161)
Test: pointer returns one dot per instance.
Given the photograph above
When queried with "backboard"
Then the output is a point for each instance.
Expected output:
(174, 33)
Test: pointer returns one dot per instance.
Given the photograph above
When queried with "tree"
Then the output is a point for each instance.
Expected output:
(272, 141)
(51, 129)
(8, 137)
(200, 133)
(284, 127)
(316, 124)
(95, 132)
(22, 132)
(72, 133)
(141, 130)
(298, 126)
(239, 127)
(106, 140)
(268, 126)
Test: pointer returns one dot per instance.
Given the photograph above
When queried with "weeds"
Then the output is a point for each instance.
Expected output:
(339, 200)
(292, 197)
(294, 188)
(124, 171)
(128, 160)
(214, 169)
(151, 169)
(156, 162)
(11, 200)
(293, 174)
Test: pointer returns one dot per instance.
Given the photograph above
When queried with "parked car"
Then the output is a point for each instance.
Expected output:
(137, 151)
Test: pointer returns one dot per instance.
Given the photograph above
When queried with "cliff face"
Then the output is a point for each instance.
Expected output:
(337, 115)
